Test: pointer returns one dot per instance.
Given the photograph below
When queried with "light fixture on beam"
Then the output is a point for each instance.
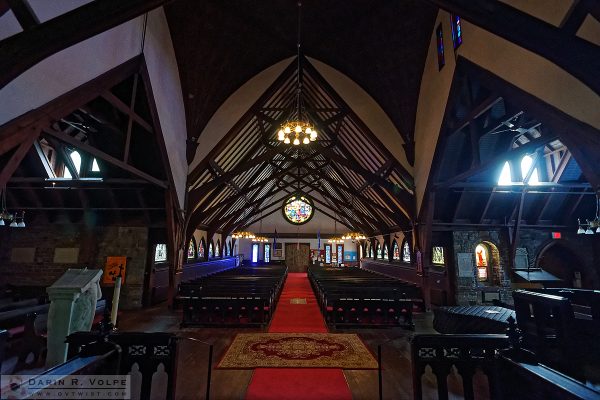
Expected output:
(592, 225)
(14, 220)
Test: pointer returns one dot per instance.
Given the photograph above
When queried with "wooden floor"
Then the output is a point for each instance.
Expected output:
(232, 384)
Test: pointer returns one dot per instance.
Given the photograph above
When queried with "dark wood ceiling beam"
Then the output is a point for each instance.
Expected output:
(496, 160)
(362, 218)
(15, 160)
(580, 138)
(25, 49)
(560, 168)
(576, 15)
(196, 194)
(106, 157)
(24, 14)
(125, 109)
(404, 197)
(65, 104)
(241, 123)
(574, 55)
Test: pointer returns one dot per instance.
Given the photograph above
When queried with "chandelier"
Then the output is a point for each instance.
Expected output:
(336, 240)
(243, 235)
(260, 239)
(592, 225)
(297, 129)
(13, 220)
(354, 236)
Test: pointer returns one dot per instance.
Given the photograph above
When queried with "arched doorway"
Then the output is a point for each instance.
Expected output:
(487, 262)
(564, 263)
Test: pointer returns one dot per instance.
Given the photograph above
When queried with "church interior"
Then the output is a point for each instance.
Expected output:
(234, 199)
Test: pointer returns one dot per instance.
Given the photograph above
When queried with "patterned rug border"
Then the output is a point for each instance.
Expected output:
(360, 340)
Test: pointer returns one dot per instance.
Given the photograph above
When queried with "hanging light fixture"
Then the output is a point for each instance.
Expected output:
(243, 235)
(297, 129)
(354, 236)
(16, 220)
(335, 238)
(592, 225)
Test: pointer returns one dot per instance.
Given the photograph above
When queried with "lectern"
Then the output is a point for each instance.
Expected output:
(73, 300)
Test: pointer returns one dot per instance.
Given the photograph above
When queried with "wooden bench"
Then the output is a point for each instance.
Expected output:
(244, 296)
(359, 298)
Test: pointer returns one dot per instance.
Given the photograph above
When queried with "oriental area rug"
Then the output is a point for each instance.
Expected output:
(297, 350)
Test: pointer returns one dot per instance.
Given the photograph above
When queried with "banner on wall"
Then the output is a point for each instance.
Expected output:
(114, 266)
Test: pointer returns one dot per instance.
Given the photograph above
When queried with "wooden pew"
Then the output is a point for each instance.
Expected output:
(244, 296)
(359, 298)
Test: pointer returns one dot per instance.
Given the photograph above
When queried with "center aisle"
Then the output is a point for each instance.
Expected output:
(298, 383)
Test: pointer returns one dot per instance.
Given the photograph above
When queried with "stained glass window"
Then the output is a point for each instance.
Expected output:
(456, 30)
(201, 250)
(440, 46)
(228, 247)
(395, 251)
(160, 254)
(327, 254)
(385, 252)
(255, 252)
(378, 250)
(210, 250)
(267, 252)
(218, 249)
(406, 252)
(481, 255)
(371, 251)
(191, 250)
(437, 255)
(340, 253)
(298, 209)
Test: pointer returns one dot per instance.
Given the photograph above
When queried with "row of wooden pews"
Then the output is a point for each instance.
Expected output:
(354, 297)
(242, 296)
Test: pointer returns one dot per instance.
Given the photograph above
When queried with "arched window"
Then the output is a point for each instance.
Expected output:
(218, 249)
(371, 254)
(385, 252)
(201, 249)
(267, 252)
(378, 251)
(506, 175)
(191, 250)
(406, 252)
(229, 249)
(360, 252)
(481, 261)
(395, 251)
(210, 249)
(526, 165)
(76, 158)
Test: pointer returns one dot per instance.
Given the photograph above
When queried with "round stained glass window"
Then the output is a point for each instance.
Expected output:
(298, 209)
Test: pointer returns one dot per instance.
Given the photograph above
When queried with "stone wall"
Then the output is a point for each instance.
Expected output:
(470, 291)
(40, 254)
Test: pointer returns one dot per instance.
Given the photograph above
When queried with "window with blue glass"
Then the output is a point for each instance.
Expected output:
(327, 254)
(267, 252)
(439, 34)
(456, 30)
(255, 252)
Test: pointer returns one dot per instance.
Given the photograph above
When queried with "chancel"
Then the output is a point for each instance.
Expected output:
(301, 199)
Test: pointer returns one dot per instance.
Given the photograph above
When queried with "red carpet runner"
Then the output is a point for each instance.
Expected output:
(298, 383)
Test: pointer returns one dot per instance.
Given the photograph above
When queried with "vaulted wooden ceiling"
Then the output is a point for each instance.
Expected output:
(249, 172)
(381, 45)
